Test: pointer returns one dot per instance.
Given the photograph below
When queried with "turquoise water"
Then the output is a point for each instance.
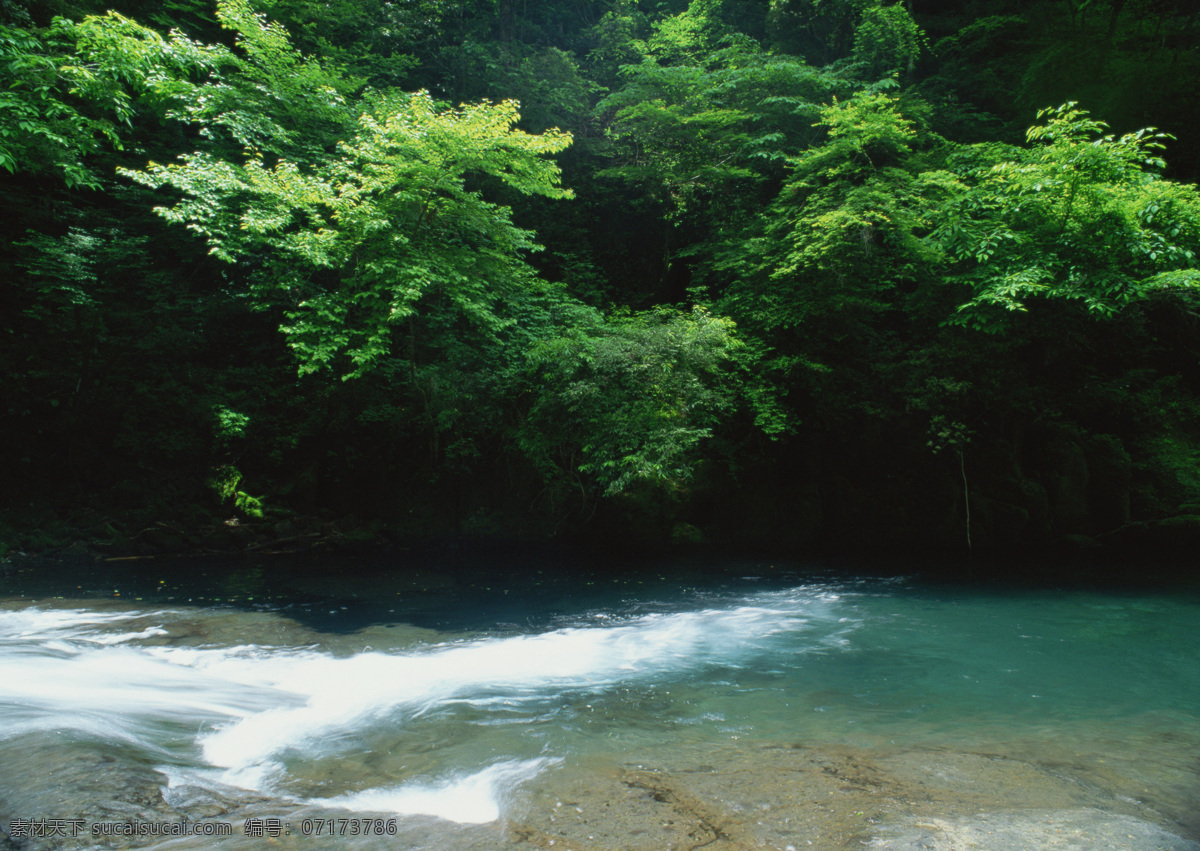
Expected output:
(508, 702)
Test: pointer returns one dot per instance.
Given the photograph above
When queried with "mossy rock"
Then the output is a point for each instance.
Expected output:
(683, 534)
(77, 552)
(285, 529)
(357, 541)
(219, 538)
(164, 540)
(1077, 542)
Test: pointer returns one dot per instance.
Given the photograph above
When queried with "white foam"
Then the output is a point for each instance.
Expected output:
(248, 706)
(46, 623)
(117, 693)
(344, 693)
(59, 669)
(124, 637)
(465, 798)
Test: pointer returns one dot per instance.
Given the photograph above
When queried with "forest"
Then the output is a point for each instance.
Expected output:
(792, 273)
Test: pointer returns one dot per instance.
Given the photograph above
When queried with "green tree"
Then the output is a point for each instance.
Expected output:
(356, 244)
(69, 90)
(845, 234)
(1080, 215)
(627, 401)
(887, 40)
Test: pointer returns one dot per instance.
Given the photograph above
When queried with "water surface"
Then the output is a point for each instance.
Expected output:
(509, 701)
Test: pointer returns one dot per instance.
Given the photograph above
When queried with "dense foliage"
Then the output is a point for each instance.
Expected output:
(798, 271)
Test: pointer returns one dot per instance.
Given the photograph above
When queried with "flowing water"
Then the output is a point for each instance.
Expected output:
(526, 702)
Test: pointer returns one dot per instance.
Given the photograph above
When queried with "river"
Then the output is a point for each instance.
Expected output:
(447, 701)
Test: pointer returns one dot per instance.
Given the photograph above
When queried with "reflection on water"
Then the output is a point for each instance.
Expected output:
(645, 710)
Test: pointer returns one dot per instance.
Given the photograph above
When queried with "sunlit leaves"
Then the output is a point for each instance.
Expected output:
(43, 128)
(118, 61)
(1081, 215)
(846, 227)
(865, 133)
(688, 37)
(390, 214)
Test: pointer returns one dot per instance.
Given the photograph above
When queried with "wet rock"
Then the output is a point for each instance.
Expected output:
(55, 775)
(219, 538)
(286, 529)
(1076, 830)
(77, 553)
(781, 796)
(163, 539)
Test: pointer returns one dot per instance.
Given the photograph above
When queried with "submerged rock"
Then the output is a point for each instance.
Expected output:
(1068, 830)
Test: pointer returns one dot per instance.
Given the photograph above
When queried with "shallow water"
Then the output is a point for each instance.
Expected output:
(480, 703)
